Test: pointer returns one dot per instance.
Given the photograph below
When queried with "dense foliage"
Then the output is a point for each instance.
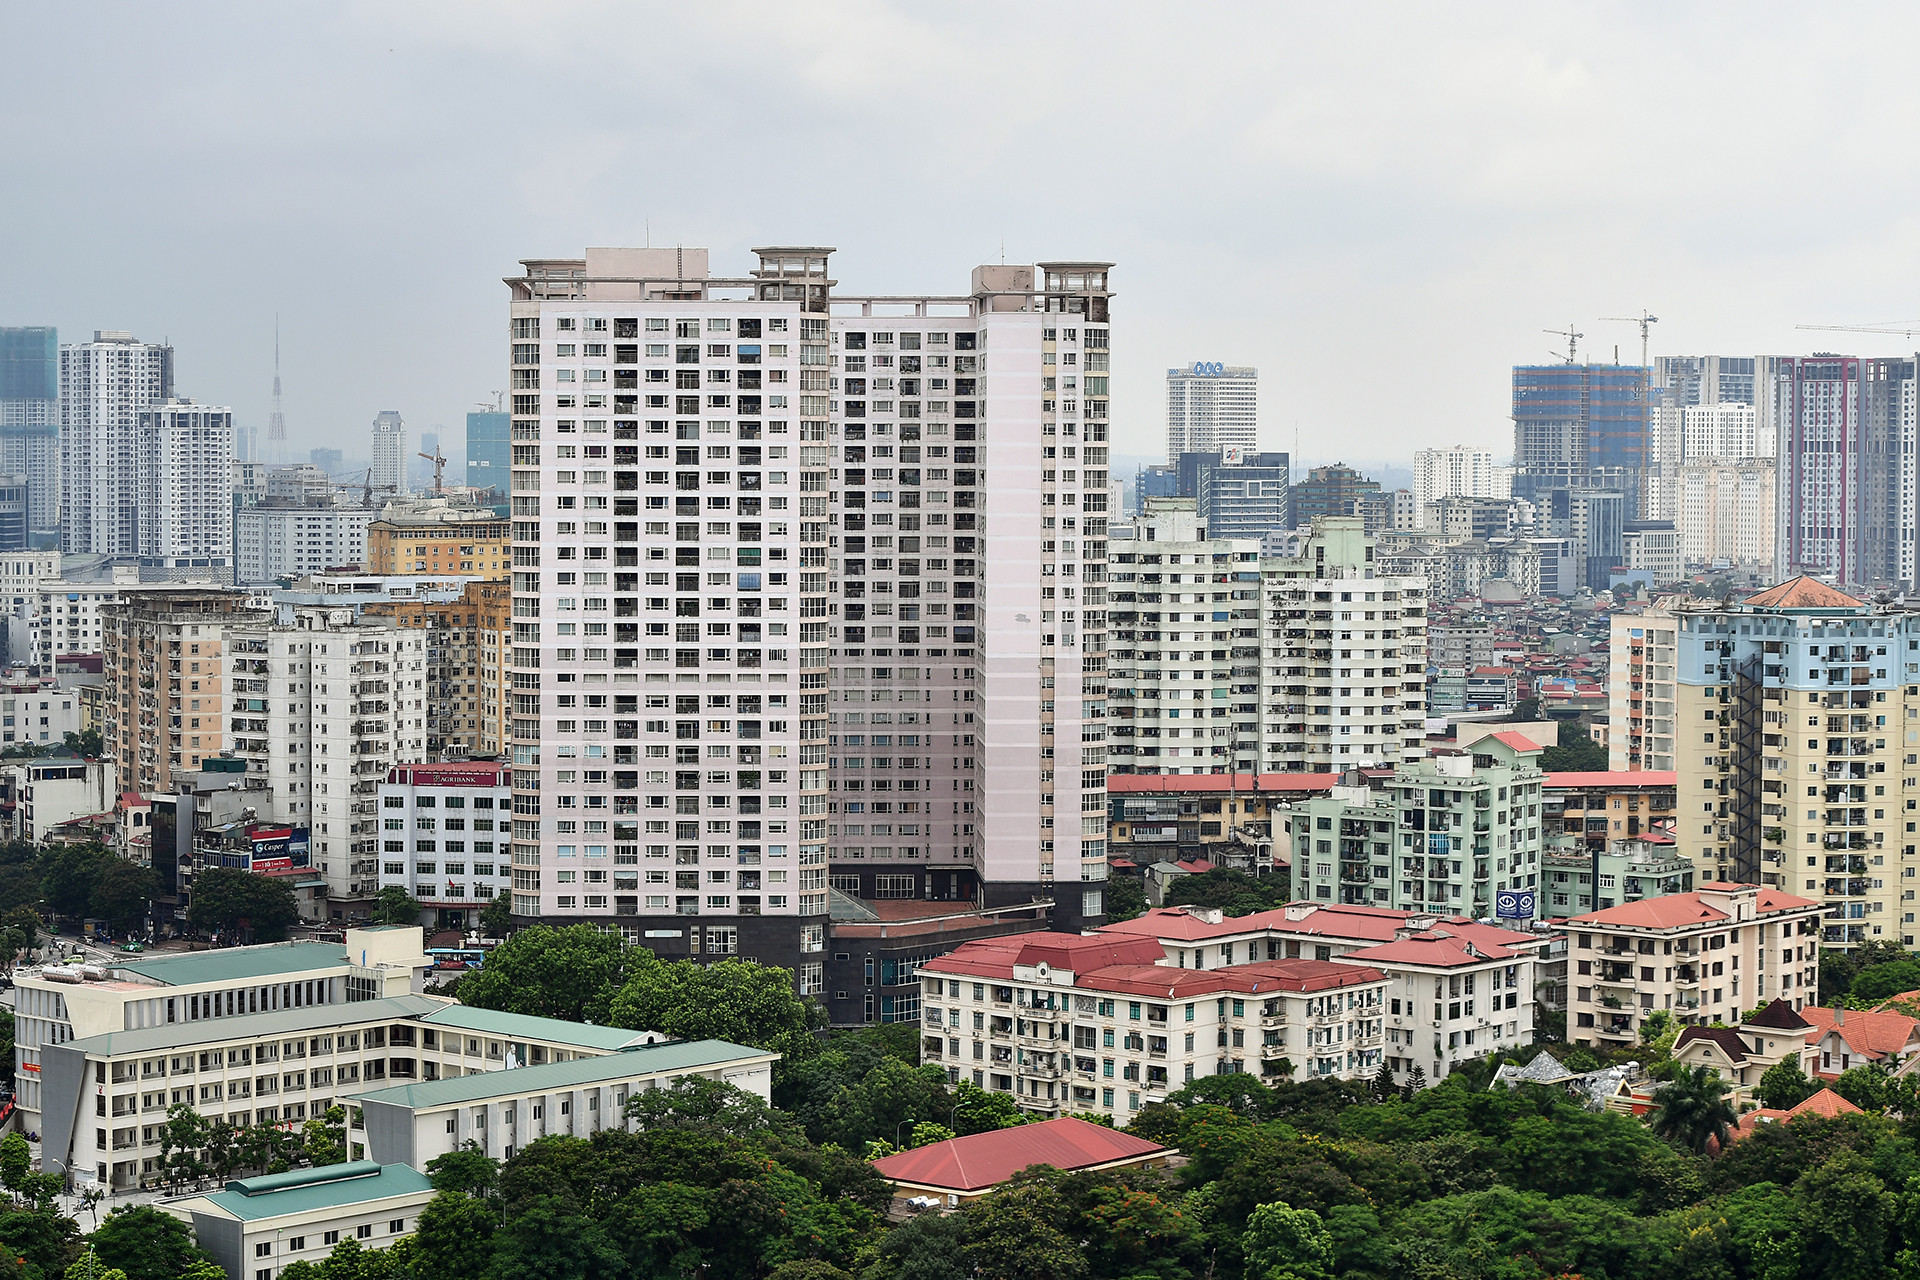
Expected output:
(1233, 892)
(1574, 752)
(242, 904)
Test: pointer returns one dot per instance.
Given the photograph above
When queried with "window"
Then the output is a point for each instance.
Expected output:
(364, 1231)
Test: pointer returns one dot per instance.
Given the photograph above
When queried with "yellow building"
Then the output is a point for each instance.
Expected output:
(465, 707)
(434, 538)
(1797, 722)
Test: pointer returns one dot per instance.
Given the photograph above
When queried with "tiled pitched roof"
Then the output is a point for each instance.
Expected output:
(1824, 1103)
(1803, 593)
(983, 1160)
(1726, 1037)
(1518, 741)
(1778, 1015)
(1613, 778)
(1676, 910)
(1871, 1035)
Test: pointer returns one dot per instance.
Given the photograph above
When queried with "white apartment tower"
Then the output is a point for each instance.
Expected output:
(322, 706)
(1456, 471)
(105, 385)
(390, 453)
(185, 453)
(725, 489)
(1211, 407)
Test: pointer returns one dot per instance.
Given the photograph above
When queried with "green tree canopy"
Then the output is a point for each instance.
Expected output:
(146, 1243)
(1234, 892)
(733, 1000)
(1693, 1108)
(394, 905)
(229, 900)
(571, 972)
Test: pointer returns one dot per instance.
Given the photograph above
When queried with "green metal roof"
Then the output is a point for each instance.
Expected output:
(524, 1026)
(227, 964)
(253, 1026)
(675, 1055)
(305, 1190)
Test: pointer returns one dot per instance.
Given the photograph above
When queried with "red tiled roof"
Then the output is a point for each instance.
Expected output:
(1440, 948)
(1129, 783)
(1824, 1103)
(1613, 778)
(1675, 910)
(1360, 924)
(1131, 965)
(1518, 741)
(1197, 866)
(1869, 1034)
(1803, 593)
(984, 1160)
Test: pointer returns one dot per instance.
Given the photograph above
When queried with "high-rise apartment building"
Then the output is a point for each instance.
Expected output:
(681, 443)
(1799, 698)
(1725, 512)
(322, 706)
(1725, 430)
(462, 720)
(167, 681)
(1578, 424)
(105, 385)
(1227, 662)
(280, 538)
(391, 455)
(487, 451)
(444, 838)
(1457, 471)
(1334, 490)
(185, 490)
(1211, 407)
(1240, 494)
(30, 422)
(1847, 479)
(1684, 381)
(1640, 692)
(1450, 833)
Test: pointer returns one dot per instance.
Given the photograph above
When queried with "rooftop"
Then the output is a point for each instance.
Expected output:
(1147, 784)
(225, 964)
(1613, 778)
(305, 1190)
(1871, 1035)
(260, 1026)
(1803, 592)
(676, 1055)
(514, 1025)
(1681, 910)
(983, 1160)
(1360, 924)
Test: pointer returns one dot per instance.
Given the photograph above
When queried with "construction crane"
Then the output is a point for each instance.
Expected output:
(1573, 341)
(1645, 320)
(439, 462)
(366, 490)
(1861, 328)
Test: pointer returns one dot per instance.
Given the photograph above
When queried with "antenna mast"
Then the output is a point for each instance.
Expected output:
(276, 421)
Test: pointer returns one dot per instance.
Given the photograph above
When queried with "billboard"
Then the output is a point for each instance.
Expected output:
(280, 848)
(1513, 904)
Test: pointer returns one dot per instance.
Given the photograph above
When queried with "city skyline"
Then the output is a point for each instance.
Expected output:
(1471, 255)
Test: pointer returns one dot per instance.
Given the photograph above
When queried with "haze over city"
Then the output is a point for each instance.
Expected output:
(1381, 210)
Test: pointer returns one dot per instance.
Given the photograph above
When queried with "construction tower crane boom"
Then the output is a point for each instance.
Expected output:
(1861, 328)
(439, 462)
(1573, 341)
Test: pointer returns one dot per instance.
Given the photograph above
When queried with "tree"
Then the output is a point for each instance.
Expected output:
(1865, 1086)
(977, 1110)
(1232, 892)
(1015, 1234)
(571, 973)
(67, 873)
(1693, 1108)
(927, 1132)
(733, 1000)
(1784, 1085)
(695, 1102)
(1126, 898)
(123, 893)
(1284, 1243)
(1845, 1216)
(497, 916)
(228, 900)
(394, 905)
(1575, 751)
(324, 1138)
(146, 1243)
(928, 1247)
(1884, 981)
(16, 1161)
(86, 744)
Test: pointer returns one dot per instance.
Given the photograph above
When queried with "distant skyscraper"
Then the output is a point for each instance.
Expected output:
(1330, 491)
(1244, 498)
(30, 421)
(1577, 423)
(1210, 408)
(390, 452)
(487, 450)
(105, 385)
(246, 444)
(184, 462)
(328, 460)
(1846, 469)
(1685, 381)
(1456, 471)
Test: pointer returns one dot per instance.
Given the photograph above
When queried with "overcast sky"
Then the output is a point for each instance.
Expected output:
(1381, 207)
